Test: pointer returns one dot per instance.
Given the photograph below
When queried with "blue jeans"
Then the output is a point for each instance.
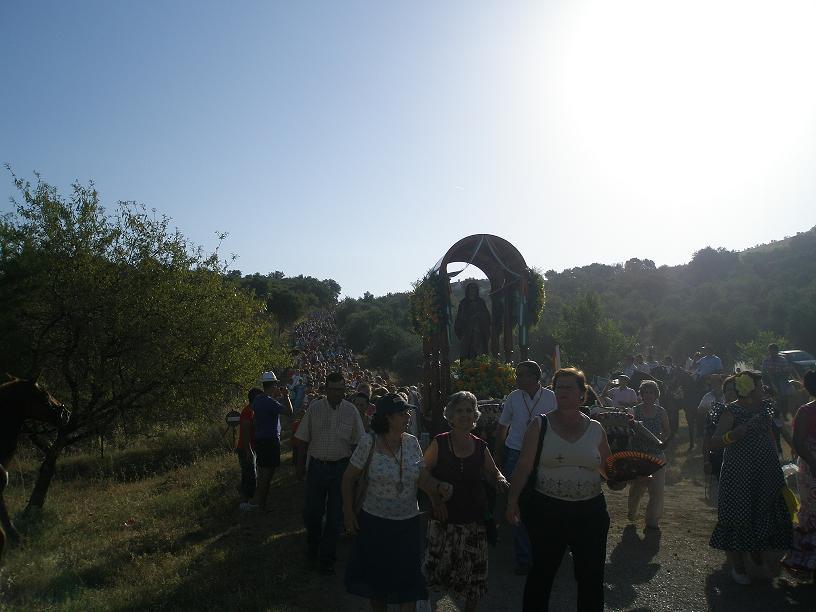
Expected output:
(521, 541)
(323, 496)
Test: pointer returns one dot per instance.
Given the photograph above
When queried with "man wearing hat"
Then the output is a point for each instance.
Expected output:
(332, 428)
(268, 407)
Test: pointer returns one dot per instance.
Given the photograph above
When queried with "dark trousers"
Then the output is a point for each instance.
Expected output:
(323, 497)
(248, 473)
(582, 526)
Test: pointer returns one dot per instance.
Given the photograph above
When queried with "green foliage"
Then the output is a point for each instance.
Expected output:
(379, 328)
(126, 320)
(588, 338)
(429, 304)
(485, 377)
(722, 297)
(310, 293)
(286, 305)
(359, 326)
(754, 351)
(407, 362)
(386, 341)
(535, 297)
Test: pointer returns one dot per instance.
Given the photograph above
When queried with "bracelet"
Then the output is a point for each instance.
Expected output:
(728, 438)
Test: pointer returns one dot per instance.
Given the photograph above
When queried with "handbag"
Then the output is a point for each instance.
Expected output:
(362, 481)
(527, 495)
(792, 503)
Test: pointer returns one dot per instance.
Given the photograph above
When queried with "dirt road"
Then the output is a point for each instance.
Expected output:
(670, 570)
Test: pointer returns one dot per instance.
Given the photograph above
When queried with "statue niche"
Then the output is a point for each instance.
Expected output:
(472, 325)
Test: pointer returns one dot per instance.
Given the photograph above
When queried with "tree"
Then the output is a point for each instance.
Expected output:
(588, 338)
(386, 340)
(124, 318)
(287, 306)
(359, 326)
(754, 351)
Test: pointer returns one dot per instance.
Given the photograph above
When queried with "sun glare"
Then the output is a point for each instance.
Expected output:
(687, 104)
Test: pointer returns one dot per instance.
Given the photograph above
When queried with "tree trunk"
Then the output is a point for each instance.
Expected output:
(47, 471)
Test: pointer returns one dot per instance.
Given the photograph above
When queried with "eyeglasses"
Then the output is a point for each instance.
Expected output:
(464, 411)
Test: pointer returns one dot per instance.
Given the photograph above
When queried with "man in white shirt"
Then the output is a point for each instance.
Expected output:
(622, 396)
(520, 407)
(332, 428)
(641, 365)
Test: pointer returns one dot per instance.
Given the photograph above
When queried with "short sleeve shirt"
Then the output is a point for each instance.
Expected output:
(775, 368)
(384, 498)
(519, 409)
(267, 417)
(709, 365)
(248, 417)
(619, 396)
(330, 432)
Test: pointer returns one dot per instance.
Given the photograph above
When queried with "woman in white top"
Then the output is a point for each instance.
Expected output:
(385, 564)
(568, 507)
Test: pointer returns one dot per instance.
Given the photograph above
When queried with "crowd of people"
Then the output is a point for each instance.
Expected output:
(357, 443)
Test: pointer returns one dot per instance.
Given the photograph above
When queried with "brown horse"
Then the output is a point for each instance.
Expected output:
(21, 400)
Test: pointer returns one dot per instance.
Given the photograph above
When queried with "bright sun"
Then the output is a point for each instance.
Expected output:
(686, 103)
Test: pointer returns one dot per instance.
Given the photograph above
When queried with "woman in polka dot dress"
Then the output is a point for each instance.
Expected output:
(751, 514)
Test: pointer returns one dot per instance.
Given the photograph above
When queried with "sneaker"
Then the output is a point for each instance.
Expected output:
(742, 579)
(246, 507)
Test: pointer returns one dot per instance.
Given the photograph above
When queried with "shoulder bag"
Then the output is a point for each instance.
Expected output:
(527, 495)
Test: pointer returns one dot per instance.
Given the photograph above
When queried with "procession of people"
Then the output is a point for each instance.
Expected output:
(356, 436)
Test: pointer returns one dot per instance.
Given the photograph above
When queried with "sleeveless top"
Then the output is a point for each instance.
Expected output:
(469, 501)
(569, 470)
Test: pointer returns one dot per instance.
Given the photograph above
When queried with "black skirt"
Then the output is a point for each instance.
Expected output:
(385, 561)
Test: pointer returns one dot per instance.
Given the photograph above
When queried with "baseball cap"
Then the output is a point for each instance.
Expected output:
(268, 377)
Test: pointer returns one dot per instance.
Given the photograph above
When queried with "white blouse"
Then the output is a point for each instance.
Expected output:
(569, 470)
(383, 496)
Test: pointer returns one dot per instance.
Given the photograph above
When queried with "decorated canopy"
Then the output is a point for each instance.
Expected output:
(516, 298)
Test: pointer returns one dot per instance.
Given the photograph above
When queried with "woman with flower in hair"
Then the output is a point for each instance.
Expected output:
(752, 516)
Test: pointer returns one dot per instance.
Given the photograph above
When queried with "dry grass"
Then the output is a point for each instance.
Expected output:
(169, 538)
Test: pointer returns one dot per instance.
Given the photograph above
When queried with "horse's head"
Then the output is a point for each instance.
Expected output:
(36, 403)
(45, 407)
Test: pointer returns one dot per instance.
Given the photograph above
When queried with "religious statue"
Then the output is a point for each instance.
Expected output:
(472, 325)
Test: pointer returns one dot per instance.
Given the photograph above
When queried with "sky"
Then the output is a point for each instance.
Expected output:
(360, 140)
